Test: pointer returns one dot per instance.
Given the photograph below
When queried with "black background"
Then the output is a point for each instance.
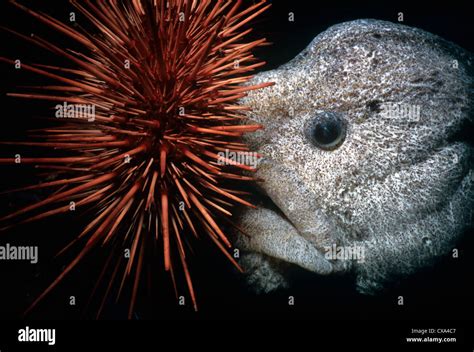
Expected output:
(443, 291)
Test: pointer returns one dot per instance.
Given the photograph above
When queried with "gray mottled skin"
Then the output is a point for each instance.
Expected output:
(401, 188)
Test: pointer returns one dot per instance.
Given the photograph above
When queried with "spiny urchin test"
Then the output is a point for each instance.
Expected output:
(156, 86)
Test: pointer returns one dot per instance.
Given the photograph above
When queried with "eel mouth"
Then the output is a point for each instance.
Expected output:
(272, 233)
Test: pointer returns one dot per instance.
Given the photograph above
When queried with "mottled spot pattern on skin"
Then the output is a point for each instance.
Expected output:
(400, 187)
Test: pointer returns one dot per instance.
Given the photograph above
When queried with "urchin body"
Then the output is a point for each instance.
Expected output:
(163, 79)
(399, 185)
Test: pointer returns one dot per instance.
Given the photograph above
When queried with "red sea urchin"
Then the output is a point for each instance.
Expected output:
(161, 80)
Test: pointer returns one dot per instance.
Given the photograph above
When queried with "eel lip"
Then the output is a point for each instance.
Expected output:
(274, 235)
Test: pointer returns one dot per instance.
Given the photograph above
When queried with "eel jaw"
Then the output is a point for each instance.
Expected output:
(272, 234)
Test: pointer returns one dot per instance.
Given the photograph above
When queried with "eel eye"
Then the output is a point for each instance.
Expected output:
(327, 130)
